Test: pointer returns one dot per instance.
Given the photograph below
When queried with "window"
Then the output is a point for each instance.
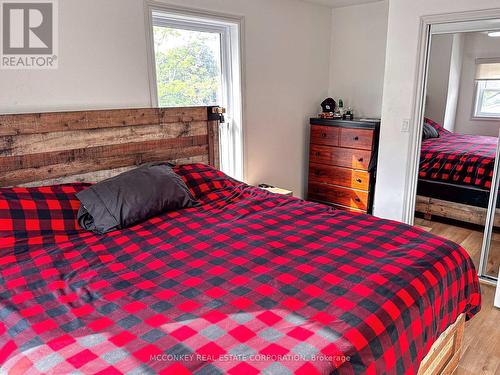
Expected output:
(487, 99)
(195, 61)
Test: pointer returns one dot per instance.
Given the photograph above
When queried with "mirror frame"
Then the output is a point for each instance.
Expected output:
(490, 219)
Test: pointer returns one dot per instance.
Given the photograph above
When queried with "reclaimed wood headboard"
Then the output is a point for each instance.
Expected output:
(89, 146)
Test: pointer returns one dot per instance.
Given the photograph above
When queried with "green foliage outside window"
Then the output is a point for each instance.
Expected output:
(187, 67)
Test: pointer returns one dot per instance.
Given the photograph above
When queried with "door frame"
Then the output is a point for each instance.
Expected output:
(424, 43)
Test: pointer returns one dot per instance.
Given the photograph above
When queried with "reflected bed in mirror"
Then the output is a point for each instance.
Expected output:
(455, 177)
(456, 171)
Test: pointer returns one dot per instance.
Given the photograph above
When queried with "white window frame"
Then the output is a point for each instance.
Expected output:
(478, 103)
(230, 29)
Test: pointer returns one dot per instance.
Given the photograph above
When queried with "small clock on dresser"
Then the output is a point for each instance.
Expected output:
(343, 163)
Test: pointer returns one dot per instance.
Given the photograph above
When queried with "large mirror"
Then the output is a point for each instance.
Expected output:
(459, 141)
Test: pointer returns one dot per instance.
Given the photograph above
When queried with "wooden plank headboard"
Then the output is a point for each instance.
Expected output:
(58, 147)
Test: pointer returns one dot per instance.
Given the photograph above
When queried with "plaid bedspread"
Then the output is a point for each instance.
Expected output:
(249, 282)
(459, 159)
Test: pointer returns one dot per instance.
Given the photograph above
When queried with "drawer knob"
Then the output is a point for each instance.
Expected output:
(318, 153)
(360, 160)
(356, 138)
(323, 135)
(358, 180)
(357, 199)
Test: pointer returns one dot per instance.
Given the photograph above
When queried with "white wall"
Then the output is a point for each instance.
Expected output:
(358, 56)
(439, 72)
(454, 82)
(399, 89)
(103, 64)
(476, 45)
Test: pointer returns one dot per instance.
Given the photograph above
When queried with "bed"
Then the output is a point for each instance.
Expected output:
(247, 282)
(455, 175)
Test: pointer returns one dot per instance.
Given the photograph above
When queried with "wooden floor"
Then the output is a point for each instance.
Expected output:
(481, 349)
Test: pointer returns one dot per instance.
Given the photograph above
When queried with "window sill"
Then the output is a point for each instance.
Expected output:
(485, 118)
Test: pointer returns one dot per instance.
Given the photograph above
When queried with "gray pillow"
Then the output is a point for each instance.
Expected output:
(429, 132)
(132, 197)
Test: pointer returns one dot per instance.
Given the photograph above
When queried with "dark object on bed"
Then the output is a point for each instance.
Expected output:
(429, 132)
(131, 198)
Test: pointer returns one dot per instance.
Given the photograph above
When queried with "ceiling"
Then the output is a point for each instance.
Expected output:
(341, 3)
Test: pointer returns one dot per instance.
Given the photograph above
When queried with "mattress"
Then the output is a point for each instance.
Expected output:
(248, 282)
(461, 159)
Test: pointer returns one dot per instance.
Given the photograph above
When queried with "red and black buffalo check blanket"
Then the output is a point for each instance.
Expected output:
(459, 159)
(249, 282)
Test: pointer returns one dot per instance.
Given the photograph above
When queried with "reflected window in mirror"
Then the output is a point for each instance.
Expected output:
(487, 98)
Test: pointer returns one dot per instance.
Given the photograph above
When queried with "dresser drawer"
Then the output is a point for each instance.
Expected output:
(324, 135)
(339, 195)
(350, 209)
(340, 157)
(356, 138)
(350, 178)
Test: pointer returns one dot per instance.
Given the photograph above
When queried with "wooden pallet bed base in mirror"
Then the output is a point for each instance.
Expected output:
(430, 207)
(89, 146)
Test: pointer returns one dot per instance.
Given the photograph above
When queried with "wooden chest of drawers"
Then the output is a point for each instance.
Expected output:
(342, 163)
